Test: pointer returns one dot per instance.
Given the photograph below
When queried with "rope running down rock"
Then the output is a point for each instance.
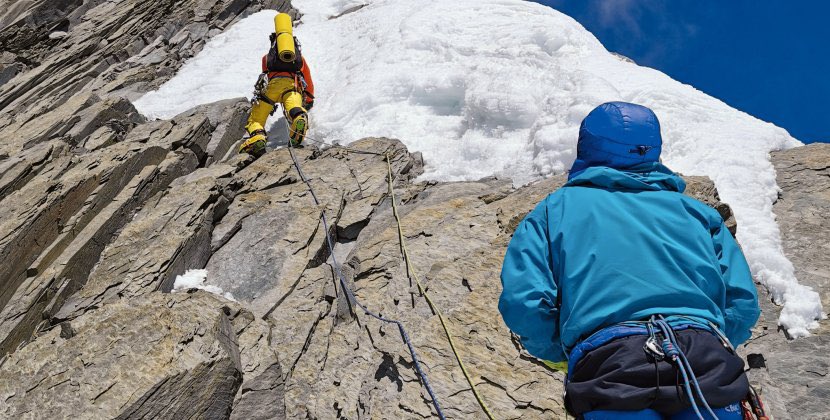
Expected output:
(353, 299)
(410, 270)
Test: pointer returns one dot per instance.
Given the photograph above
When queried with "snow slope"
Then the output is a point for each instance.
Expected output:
(499, 87)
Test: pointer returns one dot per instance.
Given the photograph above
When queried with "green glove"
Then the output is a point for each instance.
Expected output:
(559, 366)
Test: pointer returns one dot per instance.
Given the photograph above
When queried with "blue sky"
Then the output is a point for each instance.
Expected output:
(769, 58)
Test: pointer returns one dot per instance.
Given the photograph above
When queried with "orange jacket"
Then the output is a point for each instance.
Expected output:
(305, 70)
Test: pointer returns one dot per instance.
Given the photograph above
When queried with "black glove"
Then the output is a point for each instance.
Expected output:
(308, 101)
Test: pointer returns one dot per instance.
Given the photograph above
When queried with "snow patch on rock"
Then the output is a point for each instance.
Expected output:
(197, 279)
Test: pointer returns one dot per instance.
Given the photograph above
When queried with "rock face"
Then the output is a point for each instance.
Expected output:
(802, 209)
(793, 375)
(104, 209)
(256, 229)
(158, 356)
(77, 161)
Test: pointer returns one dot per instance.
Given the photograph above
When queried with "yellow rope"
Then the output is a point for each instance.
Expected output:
(411, 273)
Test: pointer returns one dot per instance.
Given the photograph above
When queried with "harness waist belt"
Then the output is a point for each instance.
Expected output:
(625, 329)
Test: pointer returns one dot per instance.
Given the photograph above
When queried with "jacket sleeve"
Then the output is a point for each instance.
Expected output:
(307, 76)
(528, 298)
(265, 63)
(741, 310)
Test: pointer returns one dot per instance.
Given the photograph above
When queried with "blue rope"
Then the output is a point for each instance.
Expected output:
(352, 298)
(672, 350)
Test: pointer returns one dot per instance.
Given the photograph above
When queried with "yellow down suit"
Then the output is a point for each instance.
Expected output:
(294, 91)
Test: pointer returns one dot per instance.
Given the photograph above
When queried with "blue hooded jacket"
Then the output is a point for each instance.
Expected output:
(620, 242)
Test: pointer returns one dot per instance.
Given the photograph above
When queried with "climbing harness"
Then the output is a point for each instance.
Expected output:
(661, 344)
(410, 270)
(668, 349)
(351, 296)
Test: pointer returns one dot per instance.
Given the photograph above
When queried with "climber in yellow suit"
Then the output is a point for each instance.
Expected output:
(282, 82)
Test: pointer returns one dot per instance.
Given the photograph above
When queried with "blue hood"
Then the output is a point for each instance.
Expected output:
(617, 135)
(651, 176)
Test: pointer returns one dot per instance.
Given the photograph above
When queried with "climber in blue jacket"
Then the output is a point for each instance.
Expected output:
(621, 274)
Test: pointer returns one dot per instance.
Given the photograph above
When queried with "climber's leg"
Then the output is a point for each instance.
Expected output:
(263, 107)
(296, 115)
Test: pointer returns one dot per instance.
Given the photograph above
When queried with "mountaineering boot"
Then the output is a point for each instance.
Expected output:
(298, 128)
(255, 145)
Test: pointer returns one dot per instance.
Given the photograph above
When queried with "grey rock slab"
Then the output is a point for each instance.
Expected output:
(703, 189)
(156, 356)
(165, 238)
(265, 234)
(36, 125)
(47, 208)
(51, 279)
(795, 375)
(7, 72)
(23, 166)
(262, 397)
(362, 368)
(272, 231)
(261, 393)
(25, 24)
(58, 223)
(271, 245)
(117, 114)
(300, 313)
(803, 174)
(230, 126)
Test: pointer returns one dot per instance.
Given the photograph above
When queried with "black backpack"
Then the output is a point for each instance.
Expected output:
(274, 63)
